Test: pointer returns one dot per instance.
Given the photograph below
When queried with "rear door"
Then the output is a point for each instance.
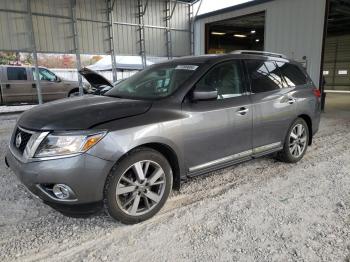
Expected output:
(15, 86)
(274, 106)
(218, 131)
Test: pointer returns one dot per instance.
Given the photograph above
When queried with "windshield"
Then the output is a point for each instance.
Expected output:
(155, 82)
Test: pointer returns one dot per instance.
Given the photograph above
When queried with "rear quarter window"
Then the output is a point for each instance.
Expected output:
(293, 75)
(16, 73)
(264, 76)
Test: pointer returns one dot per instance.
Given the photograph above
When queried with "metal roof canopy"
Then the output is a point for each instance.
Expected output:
(339, 17)
(233, 8)
(114, 27)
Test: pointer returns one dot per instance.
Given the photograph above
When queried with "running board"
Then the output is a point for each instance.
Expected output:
(234, 159)
(217, 167)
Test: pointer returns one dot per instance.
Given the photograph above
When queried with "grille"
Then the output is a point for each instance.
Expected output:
(24, 138)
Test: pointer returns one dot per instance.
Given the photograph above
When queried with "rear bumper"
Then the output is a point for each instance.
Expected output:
(84, 174)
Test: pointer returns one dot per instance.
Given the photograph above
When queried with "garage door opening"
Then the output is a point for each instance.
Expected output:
(336, 60)
(239, 33)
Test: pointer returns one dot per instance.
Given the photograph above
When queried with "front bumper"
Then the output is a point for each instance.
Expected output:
(84, 174)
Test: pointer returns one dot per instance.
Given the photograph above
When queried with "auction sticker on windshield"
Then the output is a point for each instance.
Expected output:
(186, 67)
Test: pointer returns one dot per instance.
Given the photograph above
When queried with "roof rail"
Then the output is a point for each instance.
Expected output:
(252, 52)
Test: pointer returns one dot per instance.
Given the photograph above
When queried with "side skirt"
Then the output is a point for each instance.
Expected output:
(234, 159)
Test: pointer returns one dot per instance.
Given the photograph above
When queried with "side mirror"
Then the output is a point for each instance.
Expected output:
(204, 93)
(58, 79)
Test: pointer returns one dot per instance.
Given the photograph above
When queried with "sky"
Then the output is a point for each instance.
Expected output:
(212, 5)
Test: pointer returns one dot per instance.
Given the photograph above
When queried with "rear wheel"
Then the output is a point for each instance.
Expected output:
(296, 142)
(138, 186)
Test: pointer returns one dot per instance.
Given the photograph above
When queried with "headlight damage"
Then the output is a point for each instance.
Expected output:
(61, 144)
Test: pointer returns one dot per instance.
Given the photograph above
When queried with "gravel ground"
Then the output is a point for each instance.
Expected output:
(260, 210)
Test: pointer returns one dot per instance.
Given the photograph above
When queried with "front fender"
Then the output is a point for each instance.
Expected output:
(117, 143)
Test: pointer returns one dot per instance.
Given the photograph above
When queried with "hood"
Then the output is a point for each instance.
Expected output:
(80, 112)
(96, 80)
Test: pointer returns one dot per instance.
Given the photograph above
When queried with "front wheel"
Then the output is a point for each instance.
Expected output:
(138, 186)
(296, 142)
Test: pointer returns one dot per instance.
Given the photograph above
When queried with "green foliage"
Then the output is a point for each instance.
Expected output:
(28, 59)
(7, 58)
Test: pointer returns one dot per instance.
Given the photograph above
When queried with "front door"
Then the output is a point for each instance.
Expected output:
(51, 88)
(274, 107)
(218, 131)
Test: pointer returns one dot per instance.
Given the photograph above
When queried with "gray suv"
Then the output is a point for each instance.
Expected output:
(126, 150)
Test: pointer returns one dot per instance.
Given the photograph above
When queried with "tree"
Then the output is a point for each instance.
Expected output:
(7, 58)
(28, 59)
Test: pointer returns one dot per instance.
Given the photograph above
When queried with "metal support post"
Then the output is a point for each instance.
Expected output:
(76, 44)
(169, 11)
(34, 51)
(141, 12)
(110, 8)
(192, 21)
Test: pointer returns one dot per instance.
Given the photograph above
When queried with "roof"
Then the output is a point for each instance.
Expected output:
(233, 8)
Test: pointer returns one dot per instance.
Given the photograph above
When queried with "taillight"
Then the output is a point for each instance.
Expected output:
(317, 92)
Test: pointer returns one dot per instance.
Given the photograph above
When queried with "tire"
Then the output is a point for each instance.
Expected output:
(130, 199)
(295, 144)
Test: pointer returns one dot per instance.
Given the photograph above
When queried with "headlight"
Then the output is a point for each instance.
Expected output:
(60, 144)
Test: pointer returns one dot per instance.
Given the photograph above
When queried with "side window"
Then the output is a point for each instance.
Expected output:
(16, 73)
(264, 76)
(226, 78)
(44, 74)
(292, 74)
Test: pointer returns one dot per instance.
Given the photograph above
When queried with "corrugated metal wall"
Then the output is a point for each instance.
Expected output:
(53, 31)
(336, 58)
(292, 27)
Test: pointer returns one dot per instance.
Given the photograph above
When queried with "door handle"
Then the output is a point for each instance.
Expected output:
(7, 85)
(243, 110)
(34, 85)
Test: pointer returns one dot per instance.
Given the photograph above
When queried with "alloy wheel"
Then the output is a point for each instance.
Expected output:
(297, 140)
(140, 188)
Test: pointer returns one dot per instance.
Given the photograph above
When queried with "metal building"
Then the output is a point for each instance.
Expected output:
(116, 27)
(336, 69)
(294, 28)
